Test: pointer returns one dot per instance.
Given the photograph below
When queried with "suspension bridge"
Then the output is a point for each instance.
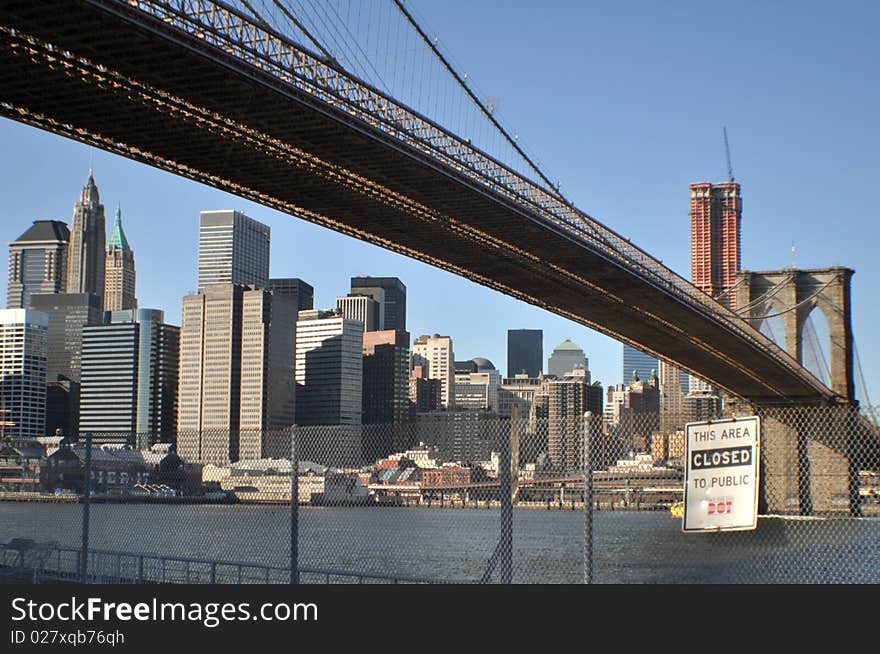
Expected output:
(282, 104)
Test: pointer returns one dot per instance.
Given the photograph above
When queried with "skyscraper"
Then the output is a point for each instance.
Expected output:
(301, 294)
(566, 357)
(233, 249)
(476, 386)
(362, 308)
(436, 355)
(698, 385)
(518, 391)
(23, 372)
(109, 380)
(268, 387)
(569, 398)
(716, 214)
(86, 252)
(209, 383)
(119, 274)
(160, 345)
(385, 392)
(634, 407)
(329, 369)
(37, 262)
(671, 396)
(699, 406)
(424, 392)
(236, 374)
(386, 377)
(129, 376)
(525, 352)
(390, 293)
(68, 314)
(638, 362)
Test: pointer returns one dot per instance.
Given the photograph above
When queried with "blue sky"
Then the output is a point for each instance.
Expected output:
(624, 103)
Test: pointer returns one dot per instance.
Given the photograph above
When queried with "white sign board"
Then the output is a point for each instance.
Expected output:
(721, 475)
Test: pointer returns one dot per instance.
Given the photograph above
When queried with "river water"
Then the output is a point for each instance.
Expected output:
(455, 544)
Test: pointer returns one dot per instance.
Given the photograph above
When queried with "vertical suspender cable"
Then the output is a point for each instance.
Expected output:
(303, 29)
(476, 100)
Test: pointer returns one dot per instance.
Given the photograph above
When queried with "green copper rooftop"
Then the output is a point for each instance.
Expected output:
(117, 236)
(568, 345)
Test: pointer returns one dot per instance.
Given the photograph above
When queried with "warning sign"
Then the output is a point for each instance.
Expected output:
(721, 476)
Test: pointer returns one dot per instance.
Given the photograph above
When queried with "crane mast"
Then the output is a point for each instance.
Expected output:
(727, 156)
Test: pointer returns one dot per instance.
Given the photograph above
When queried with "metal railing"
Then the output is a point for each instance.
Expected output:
(51, 563)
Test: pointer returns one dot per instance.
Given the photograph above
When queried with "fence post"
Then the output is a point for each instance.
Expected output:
(804, 472)
(588, 498)
(506, 490)
(87, 492)
(855, 447)
(294, 509)
(515, 435)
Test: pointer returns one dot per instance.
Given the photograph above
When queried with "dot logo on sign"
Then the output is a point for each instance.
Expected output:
(724, 506)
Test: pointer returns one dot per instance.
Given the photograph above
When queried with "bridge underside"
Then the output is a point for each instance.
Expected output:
(130, 85)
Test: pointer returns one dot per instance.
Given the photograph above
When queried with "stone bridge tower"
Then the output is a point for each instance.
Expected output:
(810, 456)
(792, 295)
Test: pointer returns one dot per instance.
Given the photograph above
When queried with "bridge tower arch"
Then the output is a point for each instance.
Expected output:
(793, 294)
(810, 455)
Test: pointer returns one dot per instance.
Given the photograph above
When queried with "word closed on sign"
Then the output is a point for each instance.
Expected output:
(721, 475)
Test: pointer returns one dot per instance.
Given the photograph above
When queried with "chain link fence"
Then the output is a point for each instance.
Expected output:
(451, 497)
(818, 502)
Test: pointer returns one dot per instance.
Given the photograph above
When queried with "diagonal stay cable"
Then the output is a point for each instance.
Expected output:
(357, 45)
(477, 101)
(761, 299)
(302, 28)
(801, 303)
(346, 40)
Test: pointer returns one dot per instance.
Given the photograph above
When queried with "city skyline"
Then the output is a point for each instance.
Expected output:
(766, 157)
(614, 348)
(361, 277)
